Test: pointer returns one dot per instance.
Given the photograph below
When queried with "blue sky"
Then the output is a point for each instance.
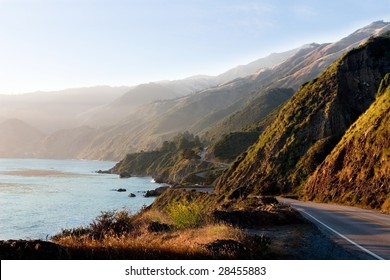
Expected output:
(57, 44)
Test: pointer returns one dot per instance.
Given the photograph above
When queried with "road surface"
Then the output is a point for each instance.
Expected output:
(363, 230)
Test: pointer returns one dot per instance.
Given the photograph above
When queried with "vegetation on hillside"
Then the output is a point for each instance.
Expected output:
(357, 171)
(310, 124)
(261, 104)
(231, 145)
(176, 161)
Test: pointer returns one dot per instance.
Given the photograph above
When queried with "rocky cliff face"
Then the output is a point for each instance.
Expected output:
(357, 172)
(308, 127)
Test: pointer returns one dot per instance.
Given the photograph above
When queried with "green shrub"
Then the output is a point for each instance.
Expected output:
(186, 214)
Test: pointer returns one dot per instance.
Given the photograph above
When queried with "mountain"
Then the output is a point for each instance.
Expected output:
(357, 171)
(301, 69)
(236, 133)
(253, 67)
(311, 123)
(18, 139)
(74, 139)
(254, 110)
(126, 104)
(234, 105)
(147, 115)
(169, 90)
(51, 111)
(205, 112)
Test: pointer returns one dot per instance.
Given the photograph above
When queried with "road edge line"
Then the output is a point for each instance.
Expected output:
(346, 238)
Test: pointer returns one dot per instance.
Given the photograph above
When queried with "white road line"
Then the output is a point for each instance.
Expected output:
(346, 238)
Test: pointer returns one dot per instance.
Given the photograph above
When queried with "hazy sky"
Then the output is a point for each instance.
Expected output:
(56, 44)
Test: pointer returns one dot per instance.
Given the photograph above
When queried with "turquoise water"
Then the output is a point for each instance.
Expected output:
(40, 197)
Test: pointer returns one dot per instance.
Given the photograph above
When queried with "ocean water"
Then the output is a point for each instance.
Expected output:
(39, 197)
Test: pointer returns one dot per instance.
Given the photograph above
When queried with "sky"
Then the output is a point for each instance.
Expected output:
(58, 44)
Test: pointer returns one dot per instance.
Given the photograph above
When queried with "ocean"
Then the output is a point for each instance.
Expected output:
(40, 197)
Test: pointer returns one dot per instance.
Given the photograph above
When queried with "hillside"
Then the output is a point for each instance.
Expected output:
(306, 64)
(52, 111)
(269, 61)
(176, 162)
(357, 171)
(130, 123)
(207, 112)
(144, 94)
(253, 111)
(308, 127)
(74, 139)
(18, 139)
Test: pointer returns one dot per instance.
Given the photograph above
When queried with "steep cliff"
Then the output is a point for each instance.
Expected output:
(357, 172)
(308, 127)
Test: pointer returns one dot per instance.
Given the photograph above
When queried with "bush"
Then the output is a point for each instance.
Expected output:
(111, 223)
(75, 232)
(186, 215)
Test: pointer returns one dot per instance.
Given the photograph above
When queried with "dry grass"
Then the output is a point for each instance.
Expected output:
(386, 206)
(181, 242)
(142, 243)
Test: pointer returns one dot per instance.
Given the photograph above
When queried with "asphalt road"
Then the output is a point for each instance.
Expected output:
(358, 229)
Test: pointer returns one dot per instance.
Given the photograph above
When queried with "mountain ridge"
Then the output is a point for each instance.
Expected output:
(201, 112)
(310, 124)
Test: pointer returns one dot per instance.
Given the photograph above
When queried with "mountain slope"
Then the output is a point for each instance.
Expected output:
(204, 111)
(166, 90)
(269, 61)
(301, 69)
(126, 104)
(18, 139)
(51, 111)
(66, 143)
(310, 124)
(251, 112)
(357, 172)
(175, 162)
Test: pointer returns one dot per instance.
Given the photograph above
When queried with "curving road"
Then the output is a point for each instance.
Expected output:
(363, 230)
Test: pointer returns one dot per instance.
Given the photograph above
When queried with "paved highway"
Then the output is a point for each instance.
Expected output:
(363, 230)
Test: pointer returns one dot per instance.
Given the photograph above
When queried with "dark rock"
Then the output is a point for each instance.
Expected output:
(158, 227)
(124, 174)
(268, 200)
(103, 172)
(121, 190)
(156, 192)
(159, 180)
(132, 195)
(31, 250)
